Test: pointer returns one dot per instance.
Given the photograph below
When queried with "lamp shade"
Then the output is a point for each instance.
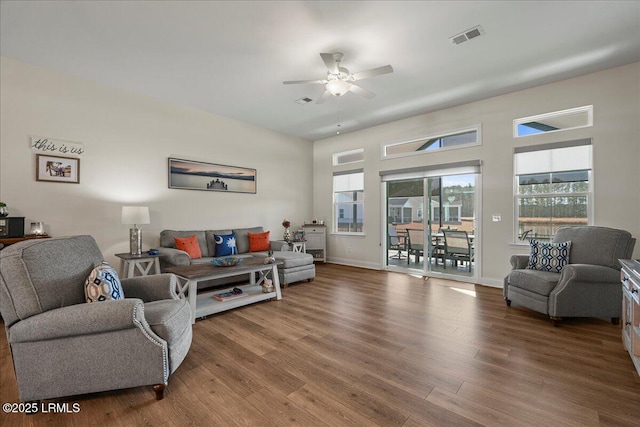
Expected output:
(135, 215)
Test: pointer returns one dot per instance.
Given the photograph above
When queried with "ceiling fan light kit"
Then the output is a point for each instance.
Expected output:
(340, 81)
(338, 87)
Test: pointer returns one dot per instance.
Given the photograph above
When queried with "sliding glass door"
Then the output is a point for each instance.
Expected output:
(431, 224)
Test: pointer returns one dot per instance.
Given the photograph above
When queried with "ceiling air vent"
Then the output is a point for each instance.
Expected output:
(467, 35)
(303, 101)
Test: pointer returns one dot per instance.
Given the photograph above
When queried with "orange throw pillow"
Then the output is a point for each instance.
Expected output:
(189, 245)
(259, 242)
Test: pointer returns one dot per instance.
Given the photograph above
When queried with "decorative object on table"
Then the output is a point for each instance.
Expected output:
(57, 169)
(37, 229)
(287, 234)
(135, 215)
(3, 210)
(267, 286)
(12, 226)
(229, 261)
(298, 236)
(153, 251)
(191, 175)
(232, 294)
(269, 258)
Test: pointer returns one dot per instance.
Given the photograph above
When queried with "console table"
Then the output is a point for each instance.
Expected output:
(6, 241)
(316, 241)
(204, 303)
(630, 277)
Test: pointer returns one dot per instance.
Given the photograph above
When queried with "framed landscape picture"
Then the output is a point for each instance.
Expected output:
(192, 175)
(57, 169)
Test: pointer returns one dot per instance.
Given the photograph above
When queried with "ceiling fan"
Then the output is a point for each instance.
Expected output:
(340, 80)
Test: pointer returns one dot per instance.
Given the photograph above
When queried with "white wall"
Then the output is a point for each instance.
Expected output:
(615, 95)
(128, 139)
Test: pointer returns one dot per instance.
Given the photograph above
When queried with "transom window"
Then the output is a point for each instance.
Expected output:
(555, 121)
(449, 140)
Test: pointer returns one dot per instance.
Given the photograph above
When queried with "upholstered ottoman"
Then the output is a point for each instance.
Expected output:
(296, 267)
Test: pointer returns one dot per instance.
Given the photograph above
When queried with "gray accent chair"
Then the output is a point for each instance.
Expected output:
(62, 346)
(589, 286)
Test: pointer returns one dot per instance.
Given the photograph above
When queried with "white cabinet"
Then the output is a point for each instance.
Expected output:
(630, 277)
(316, 241)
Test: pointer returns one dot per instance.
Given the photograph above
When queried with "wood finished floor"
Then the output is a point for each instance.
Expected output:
(359, 347)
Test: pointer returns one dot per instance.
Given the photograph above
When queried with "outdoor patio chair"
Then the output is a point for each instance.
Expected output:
(457, 247)
(415, 244)
(396, 242)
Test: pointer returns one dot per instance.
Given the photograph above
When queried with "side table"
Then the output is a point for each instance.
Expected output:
(299, 247)
(295, 246)
(143, 262)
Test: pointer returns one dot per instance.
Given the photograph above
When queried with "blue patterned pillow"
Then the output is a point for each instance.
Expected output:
(548, 256)
(103, 284)
(225, 244)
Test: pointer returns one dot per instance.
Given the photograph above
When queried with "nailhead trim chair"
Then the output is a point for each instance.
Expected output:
(62, 346)
(589, 286)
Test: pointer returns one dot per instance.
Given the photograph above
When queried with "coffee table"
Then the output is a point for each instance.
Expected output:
(204, 303)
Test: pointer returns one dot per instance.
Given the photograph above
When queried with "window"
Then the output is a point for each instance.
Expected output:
(553, 188)
(453, 139)
(352, 156)
(348, 201)
(556, 121)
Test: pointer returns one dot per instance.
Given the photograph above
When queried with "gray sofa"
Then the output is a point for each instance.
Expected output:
(296, 266)
(589, 286)
(62, 346)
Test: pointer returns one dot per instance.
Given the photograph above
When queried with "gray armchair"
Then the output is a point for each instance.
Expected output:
(589, 286)
(62, 346)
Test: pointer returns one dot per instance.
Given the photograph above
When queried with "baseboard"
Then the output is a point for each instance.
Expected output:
(353, 263)
(485, 281)
(493, 283)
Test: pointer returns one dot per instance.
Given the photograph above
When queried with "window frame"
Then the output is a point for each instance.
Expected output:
(477, 128)
(588, 109)
(336, 214)
(516, 183)
(336, 157)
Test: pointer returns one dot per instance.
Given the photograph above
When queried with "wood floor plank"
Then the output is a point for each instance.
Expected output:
(359, 347)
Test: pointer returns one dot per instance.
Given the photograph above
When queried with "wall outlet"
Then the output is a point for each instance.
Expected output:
(497, 217)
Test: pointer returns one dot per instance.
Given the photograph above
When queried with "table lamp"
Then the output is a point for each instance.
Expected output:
(135, 215)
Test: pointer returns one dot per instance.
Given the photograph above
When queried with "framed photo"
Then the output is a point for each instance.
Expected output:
(57, 169)
(191, 175)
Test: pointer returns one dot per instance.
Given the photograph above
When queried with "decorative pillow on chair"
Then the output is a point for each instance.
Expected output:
(225, 244)
(548, 256)
(190, 245)
(103, 284)
(259, 242)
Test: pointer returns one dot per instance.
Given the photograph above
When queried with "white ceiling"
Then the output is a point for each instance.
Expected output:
(230, 58)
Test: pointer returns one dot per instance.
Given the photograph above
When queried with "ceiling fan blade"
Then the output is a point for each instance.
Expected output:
(330, 62)
(373, 72)
(324, 96)
(362, 92)
(296, 82)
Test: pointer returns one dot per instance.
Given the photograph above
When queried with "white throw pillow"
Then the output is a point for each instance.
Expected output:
(103, 284)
